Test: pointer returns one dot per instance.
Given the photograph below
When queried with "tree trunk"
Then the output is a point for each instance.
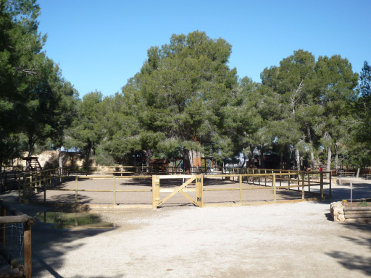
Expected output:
(336, 156)
(31, 145)
(252, 156)
(311, 148)
(328, 169)
(244, 161)
(313, 164)
(261, 160)
(281, 160)
(148, 160)
(60, 160)
(358, 170)
(187, 160)
(297, 156)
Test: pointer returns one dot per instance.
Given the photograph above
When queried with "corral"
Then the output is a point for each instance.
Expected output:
(281, 240)
(181, 240)
(177, 190)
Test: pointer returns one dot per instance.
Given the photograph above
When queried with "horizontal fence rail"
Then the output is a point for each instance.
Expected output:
(306, 183)
(15, 237)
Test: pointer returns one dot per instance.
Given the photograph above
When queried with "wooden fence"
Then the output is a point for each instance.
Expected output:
(10, 217)
(276, 180)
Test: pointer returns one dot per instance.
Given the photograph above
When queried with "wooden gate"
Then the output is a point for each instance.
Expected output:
(157, 201)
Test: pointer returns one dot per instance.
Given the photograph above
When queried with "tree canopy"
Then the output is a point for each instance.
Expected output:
(185, 100)
(36, 103)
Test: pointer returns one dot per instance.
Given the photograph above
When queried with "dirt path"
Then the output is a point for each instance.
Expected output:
(279, 240)
(288, 240)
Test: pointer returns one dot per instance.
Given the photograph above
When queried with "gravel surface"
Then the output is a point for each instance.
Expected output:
(277, 240)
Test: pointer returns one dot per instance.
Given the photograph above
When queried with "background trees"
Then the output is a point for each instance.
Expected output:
(179, 98)
(36, 103)
(184, 101)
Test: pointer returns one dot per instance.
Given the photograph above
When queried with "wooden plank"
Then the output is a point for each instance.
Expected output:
(177, 190)
(155, 191)
(95, 177)
(27, 250)
(114, 191)
(169, 190)
(222, 189)
(302, 188)
(134, 177)
(133, 190)
(260, 203)
(357, 209)
(258, 188)
(167, 177)
(274, 188)
(76, 190)
(321, 185)
(199, 191)
(15, 219)
(358, 213)
(2, 226)
(188, 197)
(240, 182)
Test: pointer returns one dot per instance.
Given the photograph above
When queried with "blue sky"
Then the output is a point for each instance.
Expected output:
(99, 45)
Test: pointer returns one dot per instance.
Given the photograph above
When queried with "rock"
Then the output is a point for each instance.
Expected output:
(337, 211)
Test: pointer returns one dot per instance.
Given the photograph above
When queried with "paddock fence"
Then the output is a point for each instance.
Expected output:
(265, 185)
(15, 242)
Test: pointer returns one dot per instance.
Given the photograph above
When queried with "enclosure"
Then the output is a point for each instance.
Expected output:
(213, 189)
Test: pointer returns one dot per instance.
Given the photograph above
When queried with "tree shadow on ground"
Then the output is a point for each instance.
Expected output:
(68, 198)
(362, 239)
(350, 260)
(50, 245)
(360, 190)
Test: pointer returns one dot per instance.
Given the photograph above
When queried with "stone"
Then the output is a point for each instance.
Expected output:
(337, 211)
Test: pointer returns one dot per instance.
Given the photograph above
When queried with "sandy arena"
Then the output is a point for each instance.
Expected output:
(275, 240)
(263, 194)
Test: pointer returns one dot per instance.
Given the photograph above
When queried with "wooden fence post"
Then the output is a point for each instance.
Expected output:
(280, 177)
(321, 183)
(240, 188)
(330, 192)
(27, 250)
(265, 177)
(302, 184)
(155, 191)
(76, 190)
(3, 235)
(274, 187)
(200, 190)
(114, 191)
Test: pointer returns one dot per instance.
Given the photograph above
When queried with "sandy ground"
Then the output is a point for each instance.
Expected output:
(277, 240)
(265, 193)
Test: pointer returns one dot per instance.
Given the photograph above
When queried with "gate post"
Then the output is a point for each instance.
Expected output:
(199, 190)
(274, 187)
(155, 191)
(302, 186)
(321, 185)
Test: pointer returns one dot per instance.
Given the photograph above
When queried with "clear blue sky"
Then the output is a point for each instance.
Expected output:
(99, 45)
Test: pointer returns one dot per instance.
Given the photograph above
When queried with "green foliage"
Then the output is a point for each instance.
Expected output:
(185, 98)
(180, 94)
(359, 139)
(34, 98)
